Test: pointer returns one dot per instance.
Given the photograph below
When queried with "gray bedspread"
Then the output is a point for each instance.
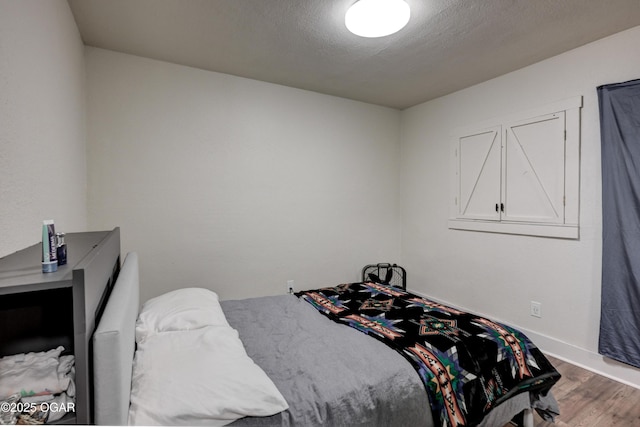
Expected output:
(331, 374)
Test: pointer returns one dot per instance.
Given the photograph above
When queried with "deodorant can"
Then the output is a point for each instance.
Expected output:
(61, 249)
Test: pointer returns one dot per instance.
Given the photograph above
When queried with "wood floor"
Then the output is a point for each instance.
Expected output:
(590, 400)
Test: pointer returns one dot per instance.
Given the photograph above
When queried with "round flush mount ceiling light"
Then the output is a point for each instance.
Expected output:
(377, 18)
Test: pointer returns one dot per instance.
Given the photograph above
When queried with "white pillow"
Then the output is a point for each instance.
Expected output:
(180, 310)
(199, 377)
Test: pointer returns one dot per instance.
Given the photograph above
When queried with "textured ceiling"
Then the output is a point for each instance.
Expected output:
(447, 45)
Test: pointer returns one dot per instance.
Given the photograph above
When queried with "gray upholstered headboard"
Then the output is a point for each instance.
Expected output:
(114, 346)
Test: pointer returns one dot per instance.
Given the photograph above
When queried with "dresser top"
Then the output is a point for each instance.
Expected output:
(23, 269)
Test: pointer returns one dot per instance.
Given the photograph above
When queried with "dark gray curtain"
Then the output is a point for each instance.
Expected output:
(620, 139)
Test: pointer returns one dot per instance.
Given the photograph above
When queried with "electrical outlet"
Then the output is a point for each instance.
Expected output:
(536, 309)
(291, 287)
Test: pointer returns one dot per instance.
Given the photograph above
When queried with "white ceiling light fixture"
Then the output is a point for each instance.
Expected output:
(377, 18)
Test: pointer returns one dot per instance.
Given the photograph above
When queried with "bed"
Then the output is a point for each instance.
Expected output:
(320, 371)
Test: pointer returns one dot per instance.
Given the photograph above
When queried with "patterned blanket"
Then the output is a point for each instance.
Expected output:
(468, 364)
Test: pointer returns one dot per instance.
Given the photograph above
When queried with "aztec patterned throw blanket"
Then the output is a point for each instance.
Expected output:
(468, 364)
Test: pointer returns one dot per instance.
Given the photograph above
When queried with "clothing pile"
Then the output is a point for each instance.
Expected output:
(36, 387)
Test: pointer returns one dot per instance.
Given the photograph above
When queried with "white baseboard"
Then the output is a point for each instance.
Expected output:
(570, 353)
(586, 359)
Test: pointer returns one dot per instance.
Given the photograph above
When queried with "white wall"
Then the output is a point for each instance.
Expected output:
(42, 122)
(238, 185)
(496, 274)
